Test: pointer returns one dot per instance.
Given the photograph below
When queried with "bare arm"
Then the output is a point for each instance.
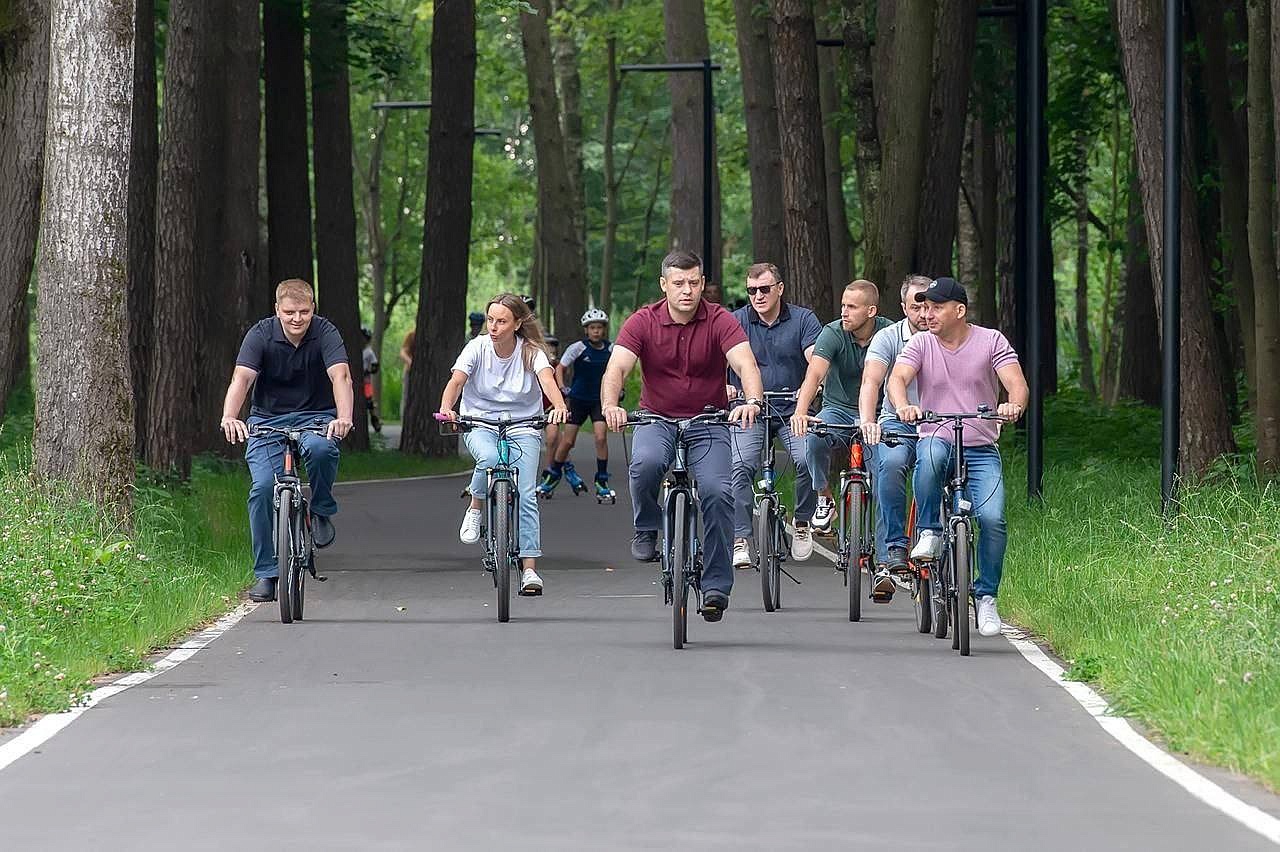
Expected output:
(902, 376)
(818, 367)
(743, 362)
(344, 396)
(233, 427)
(808, 354)
(562, 377)
(873, 373)
(1015, 384)
(621, 363)
(546, 378)
(452, 390)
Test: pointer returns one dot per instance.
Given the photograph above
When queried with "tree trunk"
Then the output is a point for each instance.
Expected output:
(988, 217)
(288, 190)
(686, 31)
(1263, 76)
(1139, 342)
(447, 232)
(558, 234)
(1084, 346)
(171, 371)
(24, 84)
(764, 147)
(643, 273)
(957, 27)
(968, 229)
(564, 47)
(1006, 239)
(867, 150)
(611, 184)
(143, 157)
(837, 212)
(1205, 428)
(84, 406)
(337, 281)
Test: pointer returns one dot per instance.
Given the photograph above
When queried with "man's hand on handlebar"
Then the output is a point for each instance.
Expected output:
(235, 431)
(910, 414)
(1010, 411)
(800, 423)
(616, 417)
(870, 433)
(744, 415)
(338, 428)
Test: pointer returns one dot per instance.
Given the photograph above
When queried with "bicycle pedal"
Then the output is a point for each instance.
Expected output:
(320, 578)
(530, 593)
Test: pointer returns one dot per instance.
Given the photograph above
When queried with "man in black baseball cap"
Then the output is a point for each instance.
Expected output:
(944, 290)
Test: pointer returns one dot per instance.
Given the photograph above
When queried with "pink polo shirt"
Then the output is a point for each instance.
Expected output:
(684, 365)
(960, 380)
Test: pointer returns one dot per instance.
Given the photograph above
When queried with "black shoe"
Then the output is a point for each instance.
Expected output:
(322, 531)
(898, 561)
(264, 590)
(713, 605)
(644, 546)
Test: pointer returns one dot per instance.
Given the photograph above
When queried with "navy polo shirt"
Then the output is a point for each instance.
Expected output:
(292, 378)
(779, 348)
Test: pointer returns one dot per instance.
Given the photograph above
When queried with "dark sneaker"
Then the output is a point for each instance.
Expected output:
(264, 590)
(898, 561)
(322, 531)
(713, 605)
(644, 546)
(882, 591)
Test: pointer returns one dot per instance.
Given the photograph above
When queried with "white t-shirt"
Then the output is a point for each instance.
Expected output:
(497, 386)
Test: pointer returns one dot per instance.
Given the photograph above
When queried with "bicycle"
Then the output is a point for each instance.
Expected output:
(951, 587)
(501, 525)
(291, 534)
(681, 555)
(769, 516)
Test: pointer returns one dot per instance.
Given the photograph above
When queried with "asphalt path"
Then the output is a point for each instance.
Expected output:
(400, 715)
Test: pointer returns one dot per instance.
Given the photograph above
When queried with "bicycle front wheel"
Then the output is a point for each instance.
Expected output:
(299, 564)
(284, 556)
(962, 563)
(767, 554)
(676, 561)
(940, 586)
(853, 518)
(502, 550)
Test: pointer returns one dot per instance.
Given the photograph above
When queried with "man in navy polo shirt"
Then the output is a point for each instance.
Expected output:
(685, 344)
(297, 366)
(782, 336)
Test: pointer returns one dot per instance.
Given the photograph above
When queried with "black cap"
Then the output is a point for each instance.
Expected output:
(944, 290)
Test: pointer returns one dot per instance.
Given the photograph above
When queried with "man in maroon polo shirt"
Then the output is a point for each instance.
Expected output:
(685, 344)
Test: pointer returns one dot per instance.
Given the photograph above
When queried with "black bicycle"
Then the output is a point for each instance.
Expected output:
(769, 516)
(501, 526)
(291, 535)
(681, 553)
(951, 585)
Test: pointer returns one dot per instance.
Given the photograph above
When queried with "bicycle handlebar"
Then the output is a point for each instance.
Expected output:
(886, 437)
(259, 429)
(644, 418)
(537, 421)
(939, 417)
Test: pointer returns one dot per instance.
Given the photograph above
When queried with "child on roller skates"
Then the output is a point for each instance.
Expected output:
(587, 359)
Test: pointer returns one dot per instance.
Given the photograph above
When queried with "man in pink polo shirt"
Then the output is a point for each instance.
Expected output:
(684, 343)
(958, 367)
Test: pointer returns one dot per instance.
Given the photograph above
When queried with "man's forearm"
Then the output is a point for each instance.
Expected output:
(234, 400)
(344, 397)
(898, 392)
(610, 388)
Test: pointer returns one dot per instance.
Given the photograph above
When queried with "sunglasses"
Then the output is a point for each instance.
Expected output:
(763, 289)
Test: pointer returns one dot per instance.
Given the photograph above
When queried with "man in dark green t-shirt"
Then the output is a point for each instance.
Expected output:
(837, 362)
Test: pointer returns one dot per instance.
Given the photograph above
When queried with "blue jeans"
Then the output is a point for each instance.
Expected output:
(892, 466)
(652, 452)
(985, 490)
(748, 445)
(265, 456)
(525, 451)
(818, 457)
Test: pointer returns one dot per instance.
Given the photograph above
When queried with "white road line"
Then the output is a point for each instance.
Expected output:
(44, 729)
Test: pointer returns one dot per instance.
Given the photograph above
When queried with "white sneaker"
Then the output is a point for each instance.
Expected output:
(928, 548)
(469, 533)
(823, 514)
(530, 582)
(801, 543)
(988, 617)
(741, 556)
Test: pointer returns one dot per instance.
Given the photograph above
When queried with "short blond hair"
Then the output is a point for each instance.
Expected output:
(870, 291)
(294, 288)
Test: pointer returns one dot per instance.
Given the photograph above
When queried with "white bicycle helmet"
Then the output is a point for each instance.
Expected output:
(594, 315)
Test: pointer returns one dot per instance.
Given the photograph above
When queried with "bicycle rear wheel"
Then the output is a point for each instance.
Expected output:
(940, 585)
(299, 564)
(679, 578)
(961, 561)
(921, 600)
(767, 554)
(853, 535)
(284, 555)
(502, 546)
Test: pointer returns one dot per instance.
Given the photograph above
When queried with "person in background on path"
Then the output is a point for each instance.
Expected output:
(684, 345)
(296, 365)
(892, 463)
(506, 371)
(782, 337)
(587, 359)
(369, 359)
(960, 367)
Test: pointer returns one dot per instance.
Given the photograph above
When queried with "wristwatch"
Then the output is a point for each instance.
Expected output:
(758, 403)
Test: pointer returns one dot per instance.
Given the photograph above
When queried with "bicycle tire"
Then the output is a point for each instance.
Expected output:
(298, 573)
(679, 579)
(963, 581)
(921, 599)
(939, 574)
(502, 547)
(853, 567)
(766, 554)
(284, 555)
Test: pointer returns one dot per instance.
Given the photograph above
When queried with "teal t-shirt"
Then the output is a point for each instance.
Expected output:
(847, 358)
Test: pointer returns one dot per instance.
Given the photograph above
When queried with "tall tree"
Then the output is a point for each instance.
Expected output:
(764, 147)
(1262, 247)
(24, 83)
(335, 196)
(1204, 427)
(565, 18)
(804, 187)
(84, 408)
(1140, 343)
(1084, 344)
(143, 152)
(171, 370)
(685, 22)
(558, 234)
(447, 232)
(612, 183)
(288, 191)
(837, 212)
(859, 61)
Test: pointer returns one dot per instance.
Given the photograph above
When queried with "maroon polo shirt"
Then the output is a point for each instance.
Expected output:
(684, 365)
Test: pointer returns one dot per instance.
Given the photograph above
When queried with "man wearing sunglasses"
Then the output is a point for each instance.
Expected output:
(782, 336)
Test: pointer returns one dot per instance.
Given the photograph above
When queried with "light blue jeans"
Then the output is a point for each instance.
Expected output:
(818, 455)
(525, 451)
(986, 492)
(893, 464)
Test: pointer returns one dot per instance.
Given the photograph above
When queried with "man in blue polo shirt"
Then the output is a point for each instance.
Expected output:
(782, 336)
(297, 366)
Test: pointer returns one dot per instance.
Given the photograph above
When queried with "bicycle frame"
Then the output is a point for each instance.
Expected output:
(680, 482)
(503, 471)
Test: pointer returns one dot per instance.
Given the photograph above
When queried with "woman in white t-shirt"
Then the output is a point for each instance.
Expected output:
(506, 372)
